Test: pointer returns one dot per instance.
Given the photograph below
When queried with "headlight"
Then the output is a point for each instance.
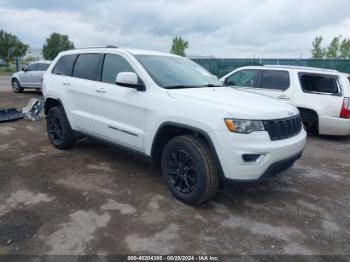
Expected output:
(244, 126)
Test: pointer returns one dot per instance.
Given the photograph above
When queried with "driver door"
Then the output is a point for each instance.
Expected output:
(246, 78)
(119, 113)
(27, 75)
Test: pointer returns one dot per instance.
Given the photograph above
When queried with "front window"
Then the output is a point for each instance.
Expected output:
(243, 78)
(32, 67)
(176, 72)
(112, 65)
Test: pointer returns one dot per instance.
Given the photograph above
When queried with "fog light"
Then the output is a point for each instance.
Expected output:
(251, 158)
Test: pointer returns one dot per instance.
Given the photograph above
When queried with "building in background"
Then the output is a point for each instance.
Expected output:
(34, 53)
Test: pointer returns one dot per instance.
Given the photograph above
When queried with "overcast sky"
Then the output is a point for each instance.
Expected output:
(221, 28)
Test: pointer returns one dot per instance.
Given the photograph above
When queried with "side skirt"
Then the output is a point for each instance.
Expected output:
(146, 158)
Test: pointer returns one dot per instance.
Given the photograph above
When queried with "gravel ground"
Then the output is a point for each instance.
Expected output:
(5, 83)
(96, 200)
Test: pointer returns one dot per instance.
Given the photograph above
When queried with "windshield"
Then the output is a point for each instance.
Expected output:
(172, 72)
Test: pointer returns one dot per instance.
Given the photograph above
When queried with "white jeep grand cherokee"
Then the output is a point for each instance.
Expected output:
(173, 112)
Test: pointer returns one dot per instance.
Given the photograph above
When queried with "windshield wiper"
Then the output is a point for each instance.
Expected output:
(211, 85)
(180, 87)
(185, 86)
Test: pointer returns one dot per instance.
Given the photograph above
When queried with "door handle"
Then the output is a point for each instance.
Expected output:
(66, 84)
(283, 97)
(100, 90)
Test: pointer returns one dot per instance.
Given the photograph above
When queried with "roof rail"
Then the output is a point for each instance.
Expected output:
(91, 47)
(302, 67)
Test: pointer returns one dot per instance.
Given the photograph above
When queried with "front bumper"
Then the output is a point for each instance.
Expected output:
(276, 156)
(273, 170)
(334, 126)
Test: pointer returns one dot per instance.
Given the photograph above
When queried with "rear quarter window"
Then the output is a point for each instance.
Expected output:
(64, 65)
(319, 83)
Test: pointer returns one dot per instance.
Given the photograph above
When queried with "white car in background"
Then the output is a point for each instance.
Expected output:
(29, 77)
(321, 95)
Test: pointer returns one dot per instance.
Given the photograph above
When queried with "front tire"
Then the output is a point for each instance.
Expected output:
(59, 131)
(310, 121)
(16, 86)
(189, 170)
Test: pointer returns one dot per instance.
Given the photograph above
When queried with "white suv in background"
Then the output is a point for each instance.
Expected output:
(29, 77)
(322, 96)
(173, 112)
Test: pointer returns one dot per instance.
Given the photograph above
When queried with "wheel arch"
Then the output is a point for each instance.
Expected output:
(15, 77)
(310, 111)
(169, 130)
(52, 102)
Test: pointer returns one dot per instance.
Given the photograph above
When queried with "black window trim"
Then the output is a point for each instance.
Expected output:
(269, 89)
(257, 78)
(340, 89)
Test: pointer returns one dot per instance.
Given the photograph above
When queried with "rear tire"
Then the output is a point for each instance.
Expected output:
(189, 170)
(310, 121)
(16, 86)
(59, 131)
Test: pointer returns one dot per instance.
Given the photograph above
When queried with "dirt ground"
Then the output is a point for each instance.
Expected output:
(96, 200)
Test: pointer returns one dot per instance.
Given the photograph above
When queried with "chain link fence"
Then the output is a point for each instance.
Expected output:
(220, 67)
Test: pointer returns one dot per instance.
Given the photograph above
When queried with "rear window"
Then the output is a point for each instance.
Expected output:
(318, 83)
(64, 65)
(86, 66)
(275, 80)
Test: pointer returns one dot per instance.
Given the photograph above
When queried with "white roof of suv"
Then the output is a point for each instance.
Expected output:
(41, 61)
(131, 51)
(315, 69)
(303, 68)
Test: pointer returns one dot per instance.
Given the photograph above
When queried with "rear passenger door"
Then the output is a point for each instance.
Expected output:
(38, 73)
(276, 84)
(119, 112)
(76, 77)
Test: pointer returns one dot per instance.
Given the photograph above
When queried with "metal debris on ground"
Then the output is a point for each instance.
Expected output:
(10, 114)
(31, 111)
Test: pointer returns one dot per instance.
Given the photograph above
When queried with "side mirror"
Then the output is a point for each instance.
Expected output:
(129, 79)
(24, 69)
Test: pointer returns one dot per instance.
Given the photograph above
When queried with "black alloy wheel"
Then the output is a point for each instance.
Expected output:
(181, 171)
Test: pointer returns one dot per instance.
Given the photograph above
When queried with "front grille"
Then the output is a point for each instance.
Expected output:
(279, 129)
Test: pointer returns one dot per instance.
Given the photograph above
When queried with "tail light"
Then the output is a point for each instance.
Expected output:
(345, 110)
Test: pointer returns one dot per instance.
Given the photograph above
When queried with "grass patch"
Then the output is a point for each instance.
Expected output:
(8, 70)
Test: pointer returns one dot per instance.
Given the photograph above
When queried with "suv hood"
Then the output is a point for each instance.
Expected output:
(239, 103)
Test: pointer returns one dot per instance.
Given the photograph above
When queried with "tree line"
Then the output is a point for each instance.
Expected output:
(339, 47)
(11, 46)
